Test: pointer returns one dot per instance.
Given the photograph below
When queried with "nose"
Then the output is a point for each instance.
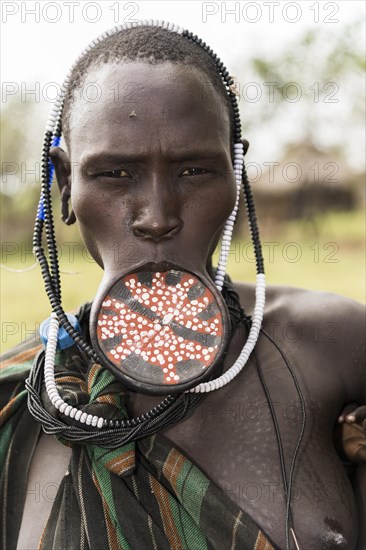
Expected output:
(157, 220)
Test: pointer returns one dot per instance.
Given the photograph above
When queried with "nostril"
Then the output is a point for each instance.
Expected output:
(155, 230)
(174, 230)
(138, 232)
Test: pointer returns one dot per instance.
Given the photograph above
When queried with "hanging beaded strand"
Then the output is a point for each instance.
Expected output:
(240, 176)
(44, 218)
(52, 278)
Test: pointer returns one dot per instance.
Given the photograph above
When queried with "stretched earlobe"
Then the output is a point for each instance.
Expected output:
(245, 143)
(61, 162)
(67, 217)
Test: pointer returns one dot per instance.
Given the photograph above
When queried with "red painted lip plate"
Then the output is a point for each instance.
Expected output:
(160, 332)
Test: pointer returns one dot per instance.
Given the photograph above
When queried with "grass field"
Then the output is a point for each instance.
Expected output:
(331, 259)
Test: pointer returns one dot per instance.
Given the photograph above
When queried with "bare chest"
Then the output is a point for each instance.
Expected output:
(231, 436)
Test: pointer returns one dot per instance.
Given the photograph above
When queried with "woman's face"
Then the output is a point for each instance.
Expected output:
(152, 177)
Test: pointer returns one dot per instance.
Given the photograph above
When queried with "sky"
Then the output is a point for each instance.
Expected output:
(40, 41)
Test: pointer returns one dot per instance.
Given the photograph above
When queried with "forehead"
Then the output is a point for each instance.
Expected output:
(136, 104)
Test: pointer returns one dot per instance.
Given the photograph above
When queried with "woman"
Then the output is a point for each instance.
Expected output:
(152, 178)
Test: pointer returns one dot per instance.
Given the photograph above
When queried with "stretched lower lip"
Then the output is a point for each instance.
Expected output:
(158, 267)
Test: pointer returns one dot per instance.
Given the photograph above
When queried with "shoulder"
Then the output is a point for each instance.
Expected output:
(325, 317)
(15, 365)
(307, 307)
(21, 354)
(322, 327)
(20, 358)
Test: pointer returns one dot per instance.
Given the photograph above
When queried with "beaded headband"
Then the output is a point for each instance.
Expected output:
(50, 271)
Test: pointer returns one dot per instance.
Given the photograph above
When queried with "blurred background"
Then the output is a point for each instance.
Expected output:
(300, 78)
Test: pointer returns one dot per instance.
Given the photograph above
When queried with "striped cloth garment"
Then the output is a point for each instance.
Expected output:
(143, 495)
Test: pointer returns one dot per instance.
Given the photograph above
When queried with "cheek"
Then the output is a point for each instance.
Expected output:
(213, 208)
(226, 198)
(82, 200)
(206, 215)
(97, 218)
(88, 210)
(97, 208)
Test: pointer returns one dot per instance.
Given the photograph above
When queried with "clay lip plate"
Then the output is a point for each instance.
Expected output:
(160, 331)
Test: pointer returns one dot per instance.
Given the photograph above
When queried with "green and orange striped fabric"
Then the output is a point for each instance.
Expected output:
(144, 495)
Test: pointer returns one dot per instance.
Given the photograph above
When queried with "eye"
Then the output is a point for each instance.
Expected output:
(115, 174)
(194, 172)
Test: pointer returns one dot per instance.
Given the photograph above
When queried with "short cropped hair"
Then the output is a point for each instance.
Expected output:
(152, 45)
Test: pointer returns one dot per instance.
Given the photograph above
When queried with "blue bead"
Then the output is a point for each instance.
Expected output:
(64, 340)
(56, 141)
(40, 210)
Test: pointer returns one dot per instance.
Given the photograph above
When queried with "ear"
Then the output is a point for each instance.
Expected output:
(245, 143)
(61, 162)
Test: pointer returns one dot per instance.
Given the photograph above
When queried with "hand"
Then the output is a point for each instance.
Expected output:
(351, 436)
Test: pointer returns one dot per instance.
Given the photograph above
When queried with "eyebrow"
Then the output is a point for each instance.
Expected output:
(97, 159)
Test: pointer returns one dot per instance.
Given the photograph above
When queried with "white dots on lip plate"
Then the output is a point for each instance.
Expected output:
(177, 308)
